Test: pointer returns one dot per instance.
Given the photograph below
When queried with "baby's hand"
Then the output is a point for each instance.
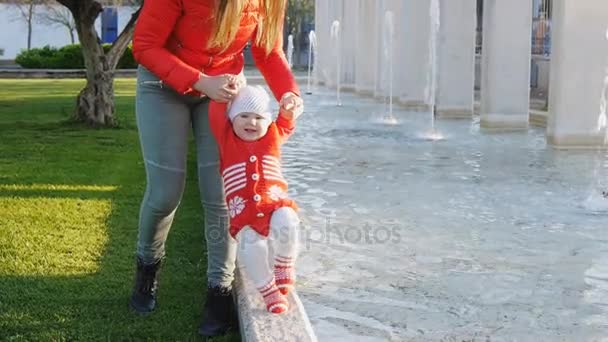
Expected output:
(292, 106)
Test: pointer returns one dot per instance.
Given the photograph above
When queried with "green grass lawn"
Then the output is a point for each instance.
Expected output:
(69, 203)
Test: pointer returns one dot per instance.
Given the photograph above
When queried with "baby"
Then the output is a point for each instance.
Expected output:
(249, 143)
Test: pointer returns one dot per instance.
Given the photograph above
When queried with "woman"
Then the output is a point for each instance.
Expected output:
(190, 52)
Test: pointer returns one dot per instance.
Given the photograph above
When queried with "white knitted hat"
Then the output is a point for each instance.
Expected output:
(251, 99)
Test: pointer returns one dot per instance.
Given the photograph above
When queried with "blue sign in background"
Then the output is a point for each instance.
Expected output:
(109, 25)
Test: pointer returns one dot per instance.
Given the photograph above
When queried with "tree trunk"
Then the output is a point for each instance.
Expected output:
(71, 35)
(30, 18)
(95, 103)
(29, 34)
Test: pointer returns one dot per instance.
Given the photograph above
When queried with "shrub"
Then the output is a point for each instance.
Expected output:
(126, 60)
(36, 58)
(67, 57)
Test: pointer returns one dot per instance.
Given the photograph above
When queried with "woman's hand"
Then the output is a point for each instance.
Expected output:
(221, 88)
(292, 106)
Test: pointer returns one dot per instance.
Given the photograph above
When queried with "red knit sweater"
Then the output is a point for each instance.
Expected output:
(253, 181)
(170, 39)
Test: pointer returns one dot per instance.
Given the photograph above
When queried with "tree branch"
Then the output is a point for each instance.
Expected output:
(121, 43)
(70, 4)
(93, 11)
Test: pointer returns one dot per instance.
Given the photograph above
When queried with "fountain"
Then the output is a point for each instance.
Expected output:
(431, 90)
(335, 35)
(388, 45)
(481, 222)
(436, 218)
(312, 51)
(290, 50)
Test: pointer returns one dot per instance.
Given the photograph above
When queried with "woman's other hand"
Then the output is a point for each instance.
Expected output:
(221, 88)
(239, 80)
(292, 106)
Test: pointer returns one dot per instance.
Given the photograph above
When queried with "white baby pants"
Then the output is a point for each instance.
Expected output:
(253, 253)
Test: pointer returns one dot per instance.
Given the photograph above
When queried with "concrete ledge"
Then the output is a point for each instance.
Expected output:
(348, 87)
(506, 122)
(538, 118)
(365, 92)
(258, 325)
(577, 141)
(454, 113)
(414, 105)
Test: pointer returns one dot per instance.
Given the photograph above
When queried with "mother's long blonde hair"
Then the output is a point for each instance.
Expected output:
(228, 17)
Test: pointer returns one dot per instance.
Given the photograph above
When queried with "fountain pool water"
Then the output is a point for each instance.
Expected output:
(481, 236)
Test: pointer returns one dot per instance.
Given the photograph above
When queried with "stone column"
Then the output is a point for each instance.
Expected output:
(413, 39)
(327, 12)
(456, 69)
(387, 53)
(349, 38)
(378, 68)
(505, 70)
(367, 45)
(322, 25)
(335, 13)
(578, 86)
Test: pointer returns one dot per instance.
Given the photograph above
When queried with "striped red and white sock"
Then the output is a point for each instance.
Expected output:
(274, 300)
(284, 273)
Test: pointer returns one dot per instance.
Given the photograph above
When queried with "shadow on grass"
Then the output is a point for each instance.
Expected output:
(64, 303)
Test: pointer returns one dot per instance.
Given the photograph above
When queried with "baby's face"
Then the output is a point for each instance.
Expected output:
(250, 126)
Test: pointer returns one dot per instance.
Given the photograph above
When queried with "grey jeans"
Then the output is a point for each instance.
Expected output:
(164, 120)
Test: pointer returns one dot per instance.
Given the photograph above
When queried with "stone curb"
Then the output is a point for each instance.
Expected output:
(80, 73)
(538, 117)
(56, 73)
(258, 325)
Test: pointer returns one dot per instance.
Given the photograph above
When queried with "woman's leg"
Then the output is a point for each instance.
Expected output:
(219, 314)
(284, 232)
(221, 248)
(163, 121)
(253, 257)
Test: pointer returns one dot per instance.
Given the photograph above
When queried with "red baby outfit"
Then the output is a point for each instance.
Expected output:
(251, 170)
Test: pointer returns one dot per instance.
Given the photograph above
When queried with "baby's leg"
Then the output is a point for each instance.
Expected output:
(253, 255)
(284, 231)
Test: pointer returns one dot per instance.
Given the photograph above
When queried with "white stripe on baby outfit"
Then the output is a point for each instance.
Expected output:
(228, 181)
(239, 187)
(232, 167)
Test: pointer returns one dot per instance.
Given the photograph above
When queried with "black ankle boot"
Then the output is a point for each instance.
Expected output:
(219, 315)
(143, 298)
